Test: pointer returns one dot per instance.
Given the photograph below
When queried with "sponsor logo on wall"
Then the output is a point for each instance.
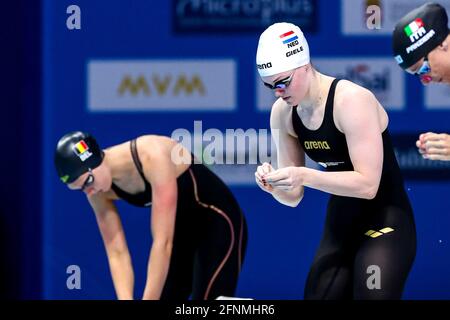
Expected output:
(161, 85)
(354, 15)
(380, 75)
(437, 97)
(412, 164)
(242, 15)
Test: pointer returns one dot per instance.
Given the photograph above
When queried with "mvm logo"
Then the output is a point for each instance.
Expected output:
(317, 145)
(161, 86)
(376, 234)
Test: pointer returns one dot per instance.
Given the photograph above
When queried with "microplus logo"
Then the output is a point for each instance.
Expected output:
(415, 30)
(365, 75)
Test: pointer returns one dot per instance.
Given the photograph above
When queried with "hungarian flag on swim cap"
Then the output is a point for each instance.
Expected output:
(418, 33)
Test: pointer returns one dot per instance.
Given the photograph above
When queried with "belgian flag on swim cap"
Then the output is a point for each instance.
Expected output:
(418, 33)
(76, 153)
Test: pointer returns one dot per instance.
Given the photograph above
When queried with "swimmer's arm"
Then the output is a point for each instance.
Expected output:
(113, 235)
(164, 205)
(289, 151)
(357, 116)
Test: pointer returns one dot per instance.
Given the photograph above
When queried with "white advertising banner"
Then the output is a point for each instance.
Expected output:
(161, 85)
(357, 16)
(437, 96)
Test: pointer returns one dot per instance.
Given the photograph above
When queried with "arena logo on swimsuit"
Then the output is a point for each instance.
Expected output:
(317, 145)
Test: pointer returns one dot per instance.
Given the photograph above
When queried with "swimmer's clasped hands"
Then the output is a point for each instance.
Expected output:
(285, 179)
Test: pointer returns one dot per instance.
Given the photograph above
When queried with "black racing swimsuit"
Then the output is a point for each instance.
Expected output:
(210, 234)
(368, 246)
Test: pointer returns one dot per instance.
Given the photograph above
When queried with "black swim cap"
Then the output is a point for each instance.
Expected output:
(75, 154)
(418, 33)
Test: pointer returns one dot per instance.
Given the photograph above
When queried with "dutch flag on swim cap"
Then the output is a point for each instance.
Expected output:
(282, 47)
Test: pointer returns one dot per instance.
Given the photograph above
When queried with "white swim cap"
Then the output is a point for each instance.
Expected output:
(281, 47)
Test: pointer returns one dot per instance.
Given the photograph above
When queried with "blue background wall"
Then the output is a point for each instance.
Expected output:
(21, 212)
(57, 227)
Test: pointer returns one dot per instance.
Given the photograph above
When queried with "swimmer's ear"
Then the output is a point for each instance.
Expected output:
(444, 45)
